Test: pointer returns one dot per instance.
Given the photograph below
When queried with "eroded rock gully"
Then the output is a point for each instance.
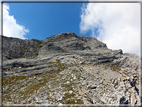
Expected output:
(68, 69)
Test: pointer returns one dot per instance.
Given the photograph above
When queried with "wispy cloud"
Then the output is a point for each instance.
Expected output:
(116, 24)
(10, 26)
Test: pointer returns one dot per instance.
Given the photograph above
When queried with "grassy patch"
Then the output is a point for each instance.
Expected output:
(70, 99)
(23, 87)
(29, 90)
(115, 67)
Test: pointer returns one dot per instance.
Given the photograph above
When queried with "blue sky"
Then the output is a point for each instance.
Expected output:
(47, 19)
(116, 24)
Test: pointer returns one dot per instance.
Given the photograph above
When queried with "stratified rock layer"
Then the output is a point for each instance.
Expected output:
(68, 69)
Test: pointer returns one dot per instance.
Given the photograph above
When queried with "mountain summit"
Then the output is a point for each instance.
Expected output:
(68, 69)
(60, 43)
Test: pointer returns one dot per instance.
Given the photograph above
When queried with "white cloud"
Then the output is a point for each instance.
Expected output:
(10, 26)
(118, 24)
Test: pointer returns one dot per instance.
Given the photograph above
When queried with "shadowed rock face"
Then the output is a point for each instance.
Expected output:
(67, 35)
(68, 69)
(18, 48)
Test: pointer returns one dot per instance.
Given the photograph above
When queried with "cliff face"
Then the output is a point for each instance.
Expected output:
(68, 69)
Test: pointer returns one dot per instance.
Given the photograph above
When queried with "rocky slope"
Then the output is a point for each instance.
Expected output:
(68, 69)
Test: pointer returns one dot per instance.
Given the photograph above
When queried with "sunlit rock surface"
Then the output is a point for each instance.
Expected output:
(68, 69)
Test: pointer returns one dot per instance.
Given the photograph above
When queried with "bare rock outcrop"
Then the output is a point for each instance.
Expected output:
(68, 69)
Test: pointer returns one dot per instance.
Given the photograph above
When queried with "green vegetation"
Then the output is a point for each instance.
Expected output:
(35, 84)
(70, 99)
(115, 67)
(23, 87)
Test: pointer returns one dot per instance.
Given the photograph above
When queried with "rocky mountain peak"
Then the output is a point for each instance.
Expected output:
(67, 35)
(68, 69)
